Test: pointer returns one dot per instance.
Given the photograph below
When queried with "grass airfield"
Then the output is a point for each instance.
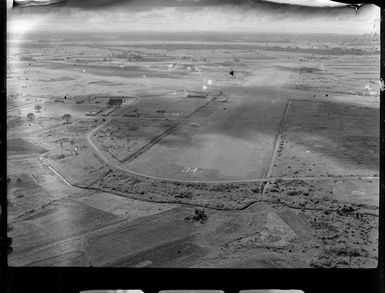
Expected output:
(283, 154)
(230, 140)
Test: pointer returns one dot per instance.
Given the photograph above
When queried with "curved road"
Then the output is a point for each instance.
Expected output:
(245, 208)
(268, 178)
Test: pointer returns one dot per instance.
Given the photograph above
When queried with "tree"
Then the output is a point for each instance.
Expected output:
(30, 116)
(67, 117)
(37, 108)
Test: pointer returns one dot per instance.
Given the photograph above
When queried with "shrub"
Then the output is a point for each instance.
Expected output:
(294, 192)
(38, 108)
(199, 215)
(184, 194)
(67, 118)
(30, 116)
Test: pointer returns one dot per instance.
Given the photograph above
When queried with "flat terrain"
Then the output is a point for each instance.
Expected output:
(122, 138)
(230, 140)
(277, 142)
(327, 139)
(21, 146)
(56, 109)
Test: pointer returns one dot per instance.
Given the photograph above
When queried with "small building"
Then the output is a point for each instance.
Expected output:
(115, 101)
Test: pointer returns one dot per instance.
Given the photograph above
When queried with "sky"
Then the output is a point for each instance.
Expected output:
(300, 16)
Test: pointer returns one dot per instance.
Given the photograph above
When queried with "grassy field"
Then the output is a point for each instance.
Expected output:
(230, 140)
(56, 110)
(121, 138)
(327, 139)
(19, 146)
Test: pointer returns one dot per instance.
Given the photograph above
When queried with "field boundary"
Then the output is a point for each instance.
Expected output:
(117, 167)
(158, 138)
(278, 139)
(296, 79)
(21, 107)
(244, 208)
(150, 144)
(276, 145)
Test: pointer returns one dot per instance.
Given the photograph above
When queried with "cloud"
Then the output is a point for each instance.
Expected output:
(248, 16)
(94, 4)
(310, 2)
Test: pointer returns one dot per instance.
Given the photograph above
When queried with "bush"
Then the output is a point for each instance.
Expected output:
(347, 209)
(67, 118)
(346, 251)
(30, 116)
(184, 194)
(199, 215)
(294, 192)
(38, 108)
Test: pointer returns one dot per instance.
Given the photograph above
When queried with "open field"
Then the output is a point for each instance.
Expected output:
(339, 75)
(169, 105)
(19, 146)
(328, 139)
(55, 110)
(277, 141)
(16, 123)
(120, 139)
(222, 141)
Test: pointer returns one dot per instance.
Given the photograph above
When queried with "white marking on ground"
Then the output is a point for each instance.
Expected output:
(61, 177)
(143, 264)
